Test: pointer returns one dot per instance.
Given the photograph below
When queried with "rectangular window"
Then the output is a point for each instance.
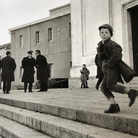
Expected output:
(50, 34)
(37, 37)
(21, 69)
(21, 41)
(69, 29)
(51, 70)
(70, 64)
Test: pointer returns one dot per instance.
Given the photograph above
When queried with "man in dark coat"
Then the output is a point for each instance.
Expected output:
(110, 55)
(28, 64)
(42, 71)
(8, 66)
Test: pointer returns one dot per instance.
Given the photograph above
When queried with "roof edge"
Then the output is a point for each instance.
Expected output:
(68, 4)
(36, 22)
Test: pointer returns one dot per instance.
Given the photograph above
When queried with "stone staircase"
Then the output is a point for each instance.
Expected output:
(27, 119)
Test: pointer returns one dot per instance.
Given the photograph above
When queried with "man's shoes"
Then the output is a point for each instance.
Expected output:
(86, 87)
(132, 95)
(114, 108)
(40, 91)
(7, 92)
(4, 92)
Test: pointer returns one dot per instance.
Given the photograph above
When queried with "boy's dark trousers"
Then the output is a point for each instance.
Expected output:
(6, 86)
(111, 77)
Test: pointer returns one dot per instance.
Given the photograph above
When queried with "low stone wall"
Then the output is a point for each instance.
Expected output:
(76, 83)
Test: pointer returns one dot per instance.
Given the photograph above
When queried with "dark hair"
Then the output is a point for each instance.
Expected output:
(38, 51)
(30, 52)
(8, 53)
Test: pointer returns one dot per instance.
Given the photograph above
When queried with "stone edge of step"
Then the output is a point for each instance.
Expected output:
(7, 132)
(112, 122)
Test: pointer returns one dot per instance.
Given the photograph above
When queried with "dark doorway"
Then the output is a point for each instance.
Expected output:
(134, 23)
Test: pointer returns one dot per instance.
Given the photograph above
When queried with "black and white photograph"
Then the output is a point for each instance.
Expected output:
(68, 68)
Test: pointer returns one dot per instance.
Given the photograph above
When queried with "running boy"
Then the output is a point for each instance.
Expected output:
(110, 54)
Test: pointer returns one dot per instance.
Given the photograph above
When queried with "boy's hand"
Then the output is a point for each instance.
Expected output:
(104, 66)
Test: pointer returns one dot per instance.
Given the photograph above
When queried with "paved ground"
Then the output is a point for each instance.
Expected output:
(83, 99)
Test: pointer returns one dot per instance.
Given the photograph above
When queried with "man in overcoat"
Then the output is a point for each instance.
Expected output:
(28, 64)
(110, 55)
(42, 71)
(8, 66)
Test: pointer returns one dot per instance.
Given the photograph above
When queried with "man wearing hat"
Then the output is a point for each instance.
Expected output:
(28, 64)
(42, 71)
(8, 66)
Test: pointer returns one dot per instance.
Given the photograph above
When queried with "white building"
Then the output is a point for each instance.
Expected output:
(86, 17)
(51, 35)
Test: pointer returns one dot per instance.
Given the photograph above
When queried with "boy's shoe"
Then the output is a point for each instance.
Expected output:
(113, 108)
(132, 95)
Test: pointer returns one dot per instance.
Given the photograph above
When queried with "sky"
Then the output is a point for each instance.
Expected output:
(18, 12)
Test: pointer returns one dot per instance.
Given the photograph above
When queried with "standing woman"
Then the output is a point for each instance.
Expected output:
(28, 64)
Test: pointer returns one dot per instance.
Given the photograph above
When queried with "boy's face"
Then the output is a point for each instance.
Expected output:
(84, 66)
(104, 34)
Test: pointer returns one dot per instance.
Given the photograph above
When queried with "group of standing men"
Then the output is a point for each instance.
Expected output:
(8, 67)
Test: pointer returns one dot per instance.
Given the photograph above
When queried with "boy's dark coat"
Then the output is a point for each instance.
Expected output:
(99, 71)
(111, 53)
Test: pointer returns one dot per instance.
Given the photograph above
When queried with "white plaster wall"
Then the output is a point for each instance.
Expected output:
(86, 17)
(117, 21)
(76, 32)
(122, 28)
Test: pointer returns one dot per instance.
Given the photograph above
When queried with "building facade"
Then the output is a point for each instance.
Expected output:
(86, 17)
(51, 35)
(4, 48)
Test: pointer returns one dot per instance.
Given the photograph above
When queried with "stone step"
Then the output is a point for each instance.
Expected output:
(11, 129)
(115, 122)
(56, 126)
